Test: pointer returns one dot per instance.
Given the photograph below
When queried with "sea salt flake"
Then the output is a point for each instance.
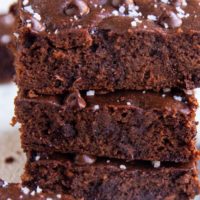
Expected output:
(37, 16)
(38, 189)
(123, 167)
(133, 23)
(96, 107)
(166, 25)
(25, 190)
(88, 159)
(37, 158)
(156, 164)
(59, 196)
(166, 90)
(184, 3)
(90, 93)
(152, 17)
(122, 9)
(115, 12)
(33, 193)
(5, 184)
(165, 1)
(128, 103)
(178, 98)
(16, 35)
(29, 9)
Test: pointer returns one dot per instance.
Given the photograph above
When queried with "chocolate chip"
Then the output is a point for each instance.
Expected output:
(85, 159)
(70, 9)
(76, 7)
(75, 100)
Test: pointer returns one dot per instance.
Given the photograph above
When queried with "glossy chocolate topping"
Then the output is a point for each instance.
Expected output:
(117, 15)
(84, 160)
(129, 99)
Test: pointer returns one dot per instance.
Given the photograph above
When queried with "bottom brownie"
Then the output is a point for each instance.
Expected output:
(14, 191)
(90, 178)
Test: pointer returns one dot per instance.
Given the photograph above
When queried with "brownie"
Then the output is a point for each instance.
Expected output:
(108, 45)
(15, 191)
(90, 178)
(126, 125)
(7, 24)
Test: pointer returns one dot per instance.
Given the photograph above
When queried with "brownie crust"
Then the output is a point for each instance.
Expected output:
(102, 51)
(88, 178)
(125, 125)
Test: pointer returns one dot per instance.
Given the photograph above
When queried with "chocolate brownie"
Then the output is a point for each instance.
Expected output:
(125, 124)
(108, 45)
(92, 178)
(7, 24)
(14, 191)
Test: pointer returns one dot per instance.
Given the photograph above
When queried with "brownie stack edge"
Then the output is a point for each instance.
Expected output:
(105, 98)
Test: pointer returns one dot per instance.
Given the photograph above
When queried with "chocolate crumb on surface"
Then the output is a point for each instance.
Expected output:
(10, 160)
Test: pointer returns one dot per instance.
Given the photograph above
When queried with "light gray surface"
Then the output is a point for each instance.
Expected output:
(4, 5)
(9, 136)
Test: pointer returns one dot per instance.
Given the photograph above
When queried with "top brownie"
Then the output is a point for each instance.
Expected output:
(108, 45)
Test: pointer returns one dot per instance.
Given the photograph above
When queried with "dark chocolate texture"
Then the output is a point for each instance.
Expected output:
(108, 45)
(111, 179)
(126, 124)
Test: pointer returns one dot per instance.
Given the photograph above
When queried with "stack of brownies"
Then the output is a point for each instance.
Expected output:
(105, 97)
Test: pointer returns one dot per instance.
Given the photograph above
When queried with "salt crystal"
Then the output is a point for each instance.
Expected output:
(96, 107)
(152, 17)
(156, 164)
(90, 93)
(25, 190)
(38, 189)
(122, 167)
(178, 98)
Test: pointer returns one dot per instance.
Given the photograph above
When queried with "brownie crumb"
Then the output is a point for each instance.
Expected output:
(9, 160)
